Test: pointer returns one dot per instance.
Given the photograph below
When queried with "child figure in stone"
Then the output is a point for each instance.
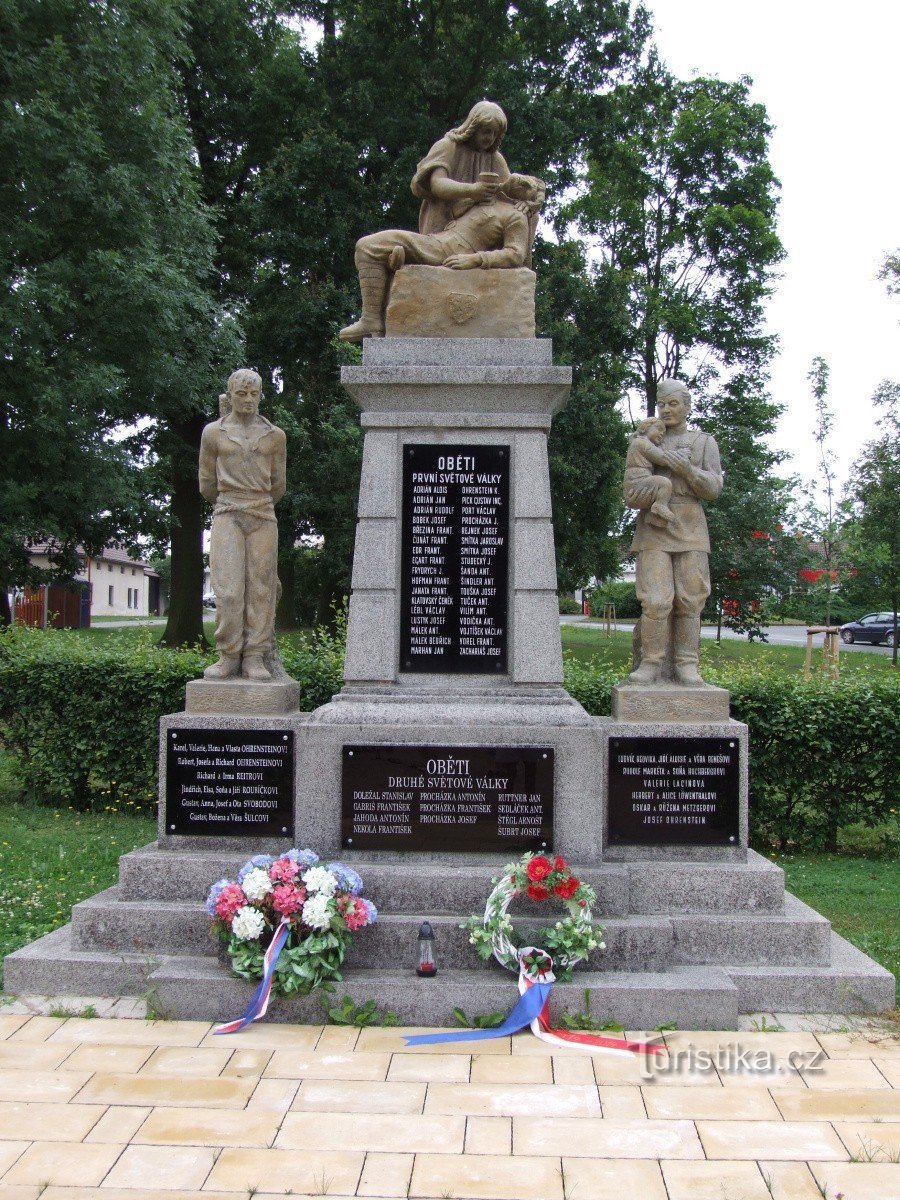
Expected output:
(643, 488)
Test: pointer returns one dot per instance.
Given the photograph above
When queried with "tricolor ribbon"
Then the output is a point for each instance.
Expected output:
(536, 981)
(259, 1005)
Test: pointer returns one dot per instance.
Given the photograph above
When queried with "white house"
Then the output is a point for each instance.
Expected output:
(117, 586)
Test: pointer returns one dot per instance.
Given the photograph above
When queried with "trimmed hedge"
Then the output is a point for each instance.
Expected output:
(81, 714)
(823, 753)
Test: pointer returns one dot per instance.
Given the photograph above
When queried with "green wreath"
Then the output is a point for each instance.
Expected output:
(567, 941)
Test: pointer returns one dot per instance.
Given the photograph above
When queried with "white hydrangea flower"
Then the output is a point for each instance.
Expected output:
(257, 884)
(318, 879)
(247, 924)
(316, 912)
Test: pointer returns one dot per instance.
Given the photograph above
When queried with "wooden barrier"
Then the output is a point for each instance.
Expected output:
(830, 648)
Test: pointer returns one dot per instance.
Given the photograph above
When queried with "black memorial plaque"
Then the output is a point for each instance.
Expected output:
(230, 782)
(667, 791)
(474, 798)
(453, 599)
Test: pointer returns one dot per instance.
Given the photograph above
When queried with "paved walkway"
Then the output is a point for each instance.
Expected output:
(118, 1109)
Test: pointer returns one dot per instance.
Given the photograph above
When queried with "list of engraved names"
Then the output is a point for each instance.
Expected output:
(447, 798)
(229, 782)
(673, 789)
(455, 556)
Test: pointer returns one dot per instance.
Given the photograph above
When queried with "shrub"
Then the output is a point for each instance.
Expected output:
(81, 715)
(870, 841)
(622, 595)
(568, 606)
(824, 753)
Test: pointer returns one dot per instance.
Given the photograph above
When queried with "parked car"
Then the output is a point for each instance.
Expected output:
(877, 628)
(209, 600)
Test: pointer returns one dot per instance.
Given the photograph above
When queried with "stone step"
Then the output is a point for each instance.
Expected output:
(691, 997)
(105, 922)
(698, 887)
(54, 966)
(797, 935)
(151, 873)
(645, 888)
(850, 983)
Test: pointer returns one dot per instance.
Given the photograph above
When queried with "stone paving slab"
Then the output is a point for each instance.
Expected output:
(128, 1109)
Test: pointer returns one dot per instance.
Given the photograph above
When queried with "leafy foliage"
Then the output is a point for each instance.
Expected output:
(105, 313)
(82, 718)
(683, 199)
(359, 1016)
(874, 531)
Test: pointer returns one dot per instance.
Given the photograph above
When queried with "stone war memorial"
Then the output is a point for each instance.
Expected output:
(452, 747)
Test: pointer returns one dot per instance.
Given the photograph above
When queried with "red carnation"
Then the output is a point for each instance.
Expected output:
(538, 868)
(567, 888)
(537, 891)
(559, 864)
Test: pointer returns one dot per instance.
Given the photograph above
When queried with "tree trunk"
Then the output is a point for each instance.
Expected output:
(185, 616)
(285, 612)
(6, 612)
(719, 621)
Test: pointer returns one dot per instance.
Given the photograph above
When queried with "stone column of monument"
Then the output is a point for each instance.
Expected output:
(677, 782)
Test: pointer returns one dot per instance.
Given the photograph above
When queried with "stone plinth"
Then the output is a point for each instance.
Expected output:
(667, 701)
(236, 696)
(437, 302)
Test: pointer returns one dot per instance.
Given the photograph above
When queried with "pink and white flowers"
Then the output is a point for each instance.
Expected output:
(321, 903)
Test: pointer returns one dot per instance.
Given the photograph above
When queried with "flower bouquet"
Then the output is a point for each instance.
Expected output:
(321, 905)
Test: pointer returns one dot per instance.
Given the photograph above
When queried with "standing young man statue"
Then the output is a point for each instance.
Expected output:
(673, 558)
(242, 472)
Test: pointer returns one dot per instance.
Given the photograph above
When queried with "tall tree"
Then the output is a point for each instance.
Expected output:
(106, 250)
(824, 512)
(875, 491)
(755, 553)
(681, 200)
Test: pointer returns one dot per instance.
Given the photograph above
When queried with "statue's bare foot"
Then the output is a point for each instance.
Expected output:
(225, 667)
(687, 673)
(397, 259)
(361, 329)
(255, 669)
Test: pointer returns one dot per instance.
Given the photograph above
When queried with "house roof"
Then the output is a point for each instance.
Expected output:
(111, 553)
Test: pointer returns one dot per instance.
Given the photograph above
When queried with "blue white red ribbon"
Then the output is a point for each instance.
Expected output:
(533, 1009)
(259, 1005)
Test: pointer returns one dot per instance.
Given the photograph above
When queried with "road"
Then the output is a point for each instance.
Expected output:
(779, 635)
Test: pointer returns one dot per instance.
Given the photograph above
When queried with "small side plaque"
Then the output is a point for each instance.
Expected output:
(468, 798)
(230, 782)
(670, 791)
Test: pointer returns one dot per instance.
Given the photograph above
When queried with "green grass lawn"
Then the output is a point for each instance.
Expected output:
(588, 642)
(860, 896)
(51, 858)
